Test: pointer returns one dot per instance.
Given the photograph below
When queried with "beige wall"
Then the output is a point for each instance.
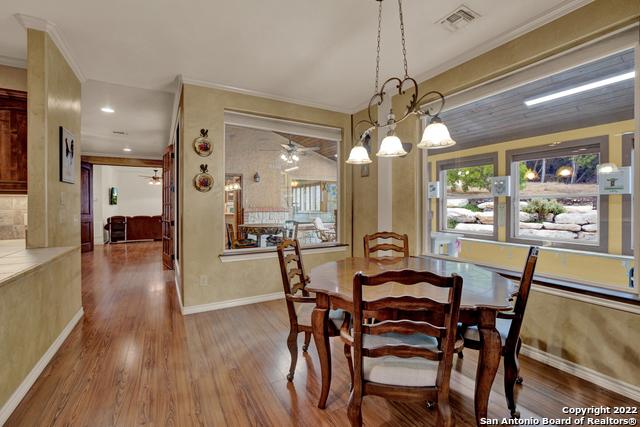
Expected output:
(37, 303)
(365, 190)
(202, 217)
(593, 20)
(54, 101)
(13, 78)
(34, 309)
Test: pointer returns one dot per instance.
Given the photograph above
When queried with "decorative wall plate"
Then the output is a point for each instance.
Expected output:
(202, 145)
(203, 181)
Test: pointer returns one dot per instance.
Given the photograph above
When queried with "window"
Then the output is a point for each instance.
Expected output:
(466, 205)
(281, 182)
(556, 194)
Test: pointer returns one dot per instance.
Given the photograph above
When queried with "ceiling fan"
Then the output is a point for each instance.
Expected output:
(155, 179)
(291, 152)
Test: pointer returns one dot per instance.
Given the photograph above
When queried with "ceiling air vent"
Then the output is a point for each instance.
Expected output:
(459, 18)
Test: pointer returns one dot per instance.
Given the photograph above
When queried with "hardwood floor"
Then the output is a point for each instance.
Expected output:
(135, 360)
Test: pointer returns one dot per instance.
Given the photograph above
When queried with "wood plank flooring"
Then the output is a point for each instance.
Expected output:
(135, 360)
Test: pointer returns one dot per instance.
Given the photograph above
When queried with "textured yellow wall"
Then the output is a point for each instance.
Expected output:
(202, 213)
(34, 309)
(365, 191)
(36, 306)
(13, 78)
(54, 101)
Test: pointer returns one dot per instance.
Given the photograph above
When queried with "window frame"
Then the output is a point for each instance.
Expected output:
(600, 145)
(627, 199)
(490, 158)
(300, 128)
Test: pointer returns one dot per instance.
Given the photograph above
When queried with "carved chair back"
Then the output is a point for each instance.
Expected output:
(522, 297)
(371, 246)
(294, 279)
(444, 331)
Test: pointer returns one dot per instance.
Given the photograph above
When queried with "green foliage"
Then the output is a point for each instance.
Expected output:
(451, 223)
(522, 171)
(472, 207)
(543, 207)
(475, 177)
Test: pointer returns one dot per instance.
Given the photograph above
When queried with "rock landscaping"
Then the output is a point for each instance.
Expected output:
(560, 221)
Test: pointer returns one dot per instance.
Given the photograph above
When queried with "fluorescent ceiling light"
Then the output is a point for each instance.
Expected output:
(107, 110)
(126, 149)
(579, 89)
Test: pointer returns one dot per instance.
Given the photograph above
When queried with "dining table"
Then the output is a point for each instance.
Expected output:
(484, 294)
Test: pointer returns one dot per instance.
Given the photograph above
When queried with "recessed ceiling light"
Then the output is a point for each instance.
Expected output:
(579, 89)
(126, 149)
(107, 110)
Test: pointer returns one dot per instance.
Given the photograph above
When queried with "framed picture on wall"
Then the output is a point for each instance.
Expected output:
(67, 156)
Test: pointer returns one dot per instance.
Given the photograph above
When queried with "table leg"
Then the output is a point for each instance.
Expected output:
(320, 325)
(488, 362)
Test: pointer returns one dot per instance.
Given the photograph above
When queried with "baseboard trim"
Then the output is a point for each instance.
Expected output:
(625, 389)
(231, 303)
(12, 403)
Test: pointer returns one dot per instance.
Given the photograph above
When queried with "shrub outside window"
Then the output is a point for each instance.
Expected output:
(555, 195)
(466, 205)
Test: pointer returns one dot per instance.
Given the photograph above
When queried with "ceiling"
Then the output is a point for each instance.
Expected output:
(143, 115)
(505, 117)
(318, 53)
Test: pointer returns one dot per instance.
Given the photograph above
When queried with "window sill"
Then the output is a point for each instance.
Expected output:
(266, 253)
(612, 298)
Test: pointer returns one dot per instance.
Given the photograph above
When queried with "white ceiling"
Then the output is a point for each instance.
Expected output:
(317, 53)
(143, 114)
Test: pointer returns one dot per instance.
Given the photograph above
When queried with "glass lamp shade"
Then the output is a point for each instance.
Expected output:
(359, 155)
(436, 135)
(391, 146)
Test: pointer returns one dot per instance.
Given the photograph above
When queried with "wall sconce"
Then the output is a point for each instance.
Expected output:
(256, 177)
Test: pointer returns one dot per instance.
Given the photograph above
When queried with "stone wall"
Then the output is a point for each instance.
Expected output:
(13, 216)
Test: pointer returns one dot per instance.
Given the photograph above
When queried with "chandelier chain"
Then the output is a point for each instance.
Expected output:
(379, 40)
(404, 43)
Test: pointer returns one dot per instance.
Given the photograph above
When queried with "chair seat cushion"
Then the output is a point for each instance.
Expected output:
(502, 325)
(304, 311)
(392, 370)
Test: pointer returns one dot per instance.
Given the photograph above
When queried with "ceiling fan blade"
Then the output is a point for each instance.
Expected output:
(309, 149)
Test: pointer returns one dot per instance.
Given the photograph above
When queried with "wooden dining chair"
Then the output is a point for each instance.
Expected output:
(370, 248)
(508, 325)
(234, 243)
(300, 303)
(404, 359)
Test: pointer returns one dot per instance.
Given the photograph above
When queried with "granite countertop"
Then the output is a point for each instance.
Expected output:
(16, 260)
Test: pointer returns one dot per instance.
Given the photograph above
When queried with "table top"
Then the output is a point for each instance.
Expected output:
(267, 228)
(481, 288)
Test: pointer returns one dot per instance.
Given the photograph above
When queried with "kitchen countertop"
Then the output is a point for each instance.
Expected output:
(16, 260)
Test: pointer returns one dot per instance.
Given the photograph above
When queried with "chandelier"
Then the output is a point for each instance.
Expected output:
(436, 134)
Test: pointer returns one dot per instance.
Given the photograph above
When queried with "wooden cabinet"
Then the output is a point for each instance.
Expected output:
(13, 142)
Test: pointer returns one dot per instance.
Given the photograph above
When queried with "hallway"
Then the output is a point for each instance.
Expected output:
(135, 360)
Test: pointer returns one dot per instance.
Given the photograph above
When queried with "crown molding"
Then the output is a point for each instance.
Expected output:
(13, 62)
(533, 24)
(34, 23)
(251, 92)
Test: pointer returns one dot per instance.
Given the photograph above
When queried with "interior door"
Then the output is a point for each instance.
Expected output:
(168, 221)
(86, 206)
